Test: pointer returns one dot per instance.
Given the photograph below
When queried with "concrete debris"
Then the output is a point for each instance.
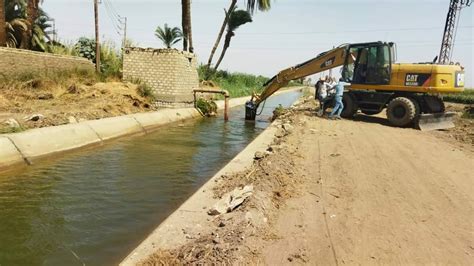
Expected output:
(280, 133)
(231, 200)
(287, 127)
(259, 155)
(35, 117)
(72, 120)
(12, 123)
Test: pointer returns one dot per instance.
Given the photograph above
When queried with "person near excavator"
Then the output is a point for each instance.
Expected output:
(322, 95)
(338, 106)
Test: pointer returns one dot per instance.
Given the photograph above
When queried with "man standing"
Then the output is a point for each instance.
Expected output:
(321, 95)
(339, 106)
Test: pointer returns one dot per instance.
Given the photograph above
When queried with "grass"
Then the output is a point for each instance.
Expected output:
(237, 84)
(42, 80)
(465, 97)
(146, 91)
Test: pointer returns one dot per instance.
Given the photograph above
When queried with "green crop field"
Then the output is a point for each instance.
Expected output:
(466, 97)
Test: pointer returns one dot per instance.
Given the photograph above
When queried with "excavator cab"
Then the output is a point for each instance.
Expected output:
(368, 63)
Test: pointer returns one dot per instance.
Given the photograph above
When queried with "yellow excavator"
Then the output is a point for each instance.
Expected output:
(411, 93)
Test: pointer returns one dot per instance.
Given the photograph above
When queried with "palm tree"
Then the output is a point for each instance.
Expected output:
(262, 5)
(32, 12)
(17, 25)
(3, 28)
(186, 25)
(233, 3)
(168, 36)
(15, 30)
(237, 18)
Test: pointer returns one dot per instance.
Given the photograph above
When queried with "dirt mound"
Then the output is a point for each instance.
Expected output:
(75, 98)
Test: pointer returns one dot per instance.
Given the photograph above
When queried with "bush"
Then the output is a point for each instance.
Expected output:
(207, 108)
(238, 84)
(111, 58)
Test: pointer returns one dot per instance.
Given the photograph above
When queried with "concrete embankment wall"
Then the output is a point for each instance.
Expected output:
(28, 146)
(17, 61)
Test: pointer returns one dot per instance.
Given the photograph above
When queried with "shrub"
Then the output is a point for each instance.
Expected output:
(145, 91)
(207, 108)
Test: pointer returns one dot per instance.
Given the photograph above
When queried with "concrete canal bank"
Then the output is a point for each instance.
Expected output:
(192, 214)
(27, 147)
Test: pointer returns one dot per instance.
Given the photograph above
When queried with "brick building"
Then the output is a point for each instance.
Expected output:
(171, 73)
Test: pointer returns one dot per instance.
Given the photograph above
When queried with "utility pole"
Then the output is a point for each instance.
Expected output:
(123, 20)
(97, 43)
(450, 27)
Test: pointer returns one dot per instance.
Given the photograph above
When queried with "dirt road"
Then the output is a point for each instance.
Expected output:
(352, 192)
(375, 194)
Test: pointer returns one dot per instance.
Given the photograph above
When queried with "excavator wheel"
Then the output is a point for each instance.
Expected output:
(350, 105)
(402, 111)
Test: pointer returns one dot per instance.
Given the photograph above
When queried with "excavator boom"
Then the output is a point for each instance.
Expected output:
(324, 61)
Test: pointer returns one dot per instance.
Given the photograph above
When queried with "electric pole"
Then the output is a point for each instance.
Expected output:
(97, 44)
(450, 27)
(123, 20)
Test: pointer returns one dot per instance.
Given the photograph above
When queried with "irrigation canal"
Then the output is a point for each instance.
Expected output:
(94, 206)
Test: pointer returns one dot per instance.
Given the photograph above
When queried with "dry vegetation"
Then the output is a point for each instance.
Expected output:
(59, 97)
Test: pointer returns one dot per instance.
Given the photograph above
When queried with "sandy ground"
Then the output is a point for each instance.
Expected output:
(346, 192)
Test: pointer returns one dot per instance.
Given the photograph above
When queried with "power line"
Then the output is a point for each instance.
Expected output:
(349, 31)
(113, 9)
(113, 19)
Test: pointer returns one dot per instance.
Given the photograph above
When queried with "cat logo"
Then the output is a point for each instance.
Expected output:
(328, 62)
(417, 79)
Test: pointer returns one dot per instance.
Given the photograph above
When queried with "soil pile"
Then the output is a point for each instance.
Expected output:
(63, 104)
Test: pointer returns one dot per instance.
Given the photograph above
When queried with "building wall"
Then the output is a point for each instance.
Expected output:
(16, 61)
(172, 74)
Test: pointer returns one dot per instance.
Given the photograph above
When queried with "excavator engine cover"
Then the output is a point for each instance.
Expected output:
(435, 121)
(250, 110)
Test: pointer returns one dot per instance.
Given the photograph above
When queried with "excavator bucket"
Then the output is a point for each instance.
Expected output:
(427, 122)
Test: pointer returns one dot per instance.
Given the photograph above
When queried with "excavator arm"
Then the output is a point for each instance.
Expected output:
(324, 61)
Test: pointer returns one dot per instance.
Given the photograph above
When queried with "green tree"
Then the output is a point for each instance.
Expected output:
(169, 36)
(237, 18)
(3, 27)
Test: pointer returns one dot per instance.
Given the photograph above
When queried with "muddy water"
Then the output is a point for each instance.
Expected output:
(95, 206)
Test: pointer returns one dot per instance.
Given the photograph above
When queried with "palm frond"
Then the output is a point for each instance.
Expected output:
(168, 36)
(238, 18)
(262, 5)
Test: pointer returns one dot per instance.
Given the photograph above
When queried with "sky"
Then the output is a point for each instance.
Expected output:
(292, 32)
